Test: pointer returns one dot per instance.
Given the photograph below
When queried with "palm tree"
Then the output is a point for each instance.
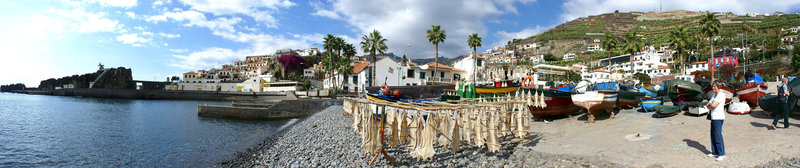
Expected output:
(474, 41)
(436, 35)
(329, 43)
(343, 64)
(633, 45)
(710, 27)
(679, 40)
(609, 44)
(373, 43)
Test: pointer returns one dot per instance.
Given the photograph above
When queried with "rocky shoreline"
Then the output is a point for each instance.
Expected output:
(327, 139)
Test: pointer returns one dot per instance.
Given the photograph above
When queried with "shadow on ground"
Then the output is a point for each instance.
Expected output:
(696, 145)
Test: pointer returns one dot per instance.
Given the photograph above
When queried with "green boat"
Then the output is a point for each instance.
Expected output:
(770, 103)
(629, 99)
(666, 110)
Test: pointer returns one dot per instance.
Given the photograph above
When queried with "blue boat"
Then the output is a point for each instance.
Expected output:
(649, 104)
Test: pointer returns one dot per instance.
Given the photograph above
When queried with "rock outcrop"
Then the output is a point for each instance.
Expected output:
(12, 87)
(111, 78)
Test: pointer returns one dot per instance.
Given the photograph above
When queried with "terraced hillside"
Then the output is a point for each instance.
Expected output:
(655, 27)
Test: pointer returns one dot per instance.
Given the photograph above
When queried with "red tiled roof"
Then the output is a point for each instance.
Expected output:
(700, 62)
(360, 67)
(663, 67)
(431, 64)
(189, 73)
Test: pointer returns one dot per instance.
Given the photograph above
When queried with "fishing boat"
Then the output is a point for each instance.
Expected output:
(680, 91)
(648, 105)
(726, 89)
(499, 87)
(648, 90)
(751, 92)
(666, 111)
(557, 102)
(595, 102)
(628, 97)
(769, 103)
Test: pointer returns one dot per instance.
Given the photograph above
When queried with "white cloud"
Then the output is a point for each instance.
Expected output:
(115, 3)
(321, 11)
(260, 10)
(581, 8)
(179, 50)
(85, 22)
(157, 3)
(131, 15)
(167, 35)
(504, 37)
(403, 22)
(195, 18)
(133, 39)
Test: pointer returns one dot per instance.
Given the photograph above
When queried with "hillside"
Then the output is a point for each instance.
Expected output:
(654, 26)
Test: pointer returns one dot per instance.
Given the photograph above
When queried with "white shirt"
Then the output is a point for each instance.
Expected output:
(718, 113)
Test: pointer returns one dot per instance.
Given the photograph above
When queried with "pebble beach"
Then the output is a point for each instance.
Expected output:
(326, 139)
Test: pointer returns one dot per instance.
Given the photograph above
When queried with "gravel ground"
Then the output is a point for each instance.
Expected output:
(326, 139)
(785, 162)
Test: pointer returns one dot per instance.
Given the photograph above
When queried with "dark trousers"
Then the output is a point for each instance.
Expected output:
(717, 144)
(782, 110)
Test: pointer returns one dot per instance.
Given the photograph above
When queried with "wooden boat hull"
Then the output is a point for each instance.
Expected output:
(751, 93)
(629, 99)
(496, 90)
(558, 103)
(727, 91)
(595, 102)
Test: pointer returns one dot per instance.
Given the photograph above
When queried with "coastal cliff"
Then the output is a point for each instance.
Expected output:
(111, 78)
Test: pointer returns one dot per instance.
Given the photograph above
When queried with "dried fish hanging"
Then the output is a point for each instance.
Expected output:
(444, 128)
(415, 130)
(477, 128)
(456, 141)
(371, 142)
(492, 133)
(424, 149)
(466, 125)
(403, 127)
(394, 126)
(542, 102)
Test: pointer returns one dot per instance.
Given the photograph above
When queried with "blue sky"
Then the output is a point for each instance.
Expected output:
(158, 38)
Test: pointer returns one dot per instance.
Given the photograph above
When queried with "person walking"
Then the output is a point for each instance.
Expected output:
(783, 96)
(717, 116)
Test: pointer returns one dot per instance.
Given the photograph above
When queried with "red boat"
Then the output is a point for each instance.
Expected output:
(751, 92)
(725, 90)
(558, 103)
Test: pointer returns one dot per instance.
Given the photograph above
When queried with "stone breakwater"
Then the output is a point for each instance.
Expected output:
(326, 139)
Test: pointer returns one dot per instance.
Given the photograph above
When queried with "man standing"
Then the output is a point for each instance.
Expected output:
(783, 96)
(717, 116)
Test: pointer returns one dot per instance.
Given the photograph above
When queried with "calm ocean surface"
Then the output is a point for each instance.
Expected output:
(55, 131)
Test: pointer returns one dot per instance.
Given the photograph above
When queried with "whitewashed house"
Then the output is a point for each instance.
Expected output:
(467, 64)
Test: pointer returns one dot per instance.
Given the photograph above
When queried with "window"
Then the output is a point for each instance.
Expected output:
(422, 75)
(442, 75)
(410, 73)
(355, 79)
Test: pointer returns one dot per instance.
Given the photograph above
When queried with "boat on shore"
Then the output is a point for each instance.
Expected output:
(628, 97)
(769, 103)
(726, 89)
(595, 102)
(751, 92)
(557, 102)
(499, 87)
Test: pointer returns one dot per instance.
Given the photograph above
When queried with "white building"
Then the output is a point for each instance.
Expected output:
(393, 74)
(647, 62)
(445, 73)
(467, 64)
(569, 56)
(529, 46)
(536, 59)
(697, 66)
(594, 47)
